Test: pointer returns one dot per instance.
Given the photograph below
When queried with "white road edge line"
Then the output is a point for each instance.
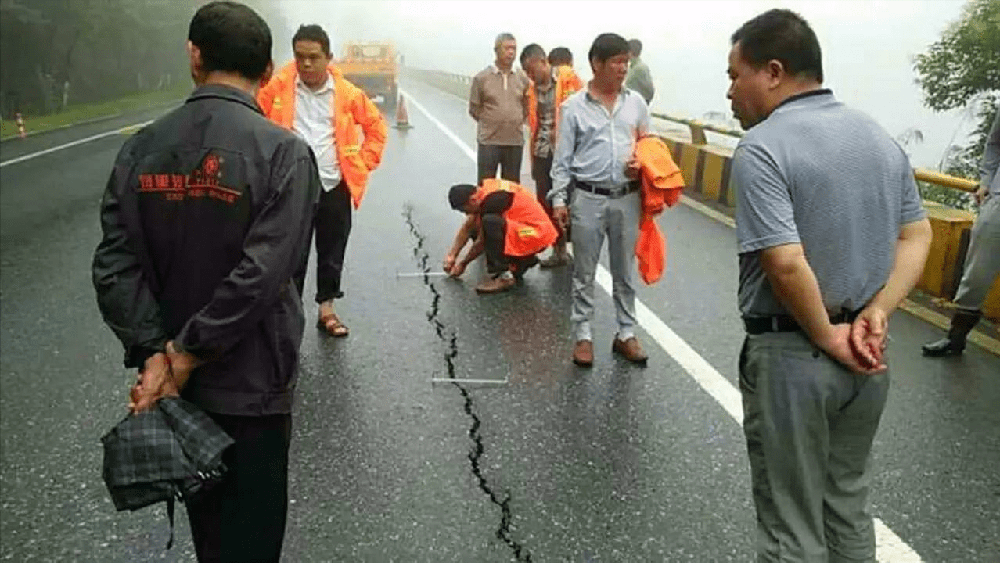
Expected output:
(73, 143)
(890, 547)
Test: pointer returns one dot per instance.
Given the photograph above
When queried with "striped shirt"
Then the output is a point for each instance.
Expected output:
(828, 177)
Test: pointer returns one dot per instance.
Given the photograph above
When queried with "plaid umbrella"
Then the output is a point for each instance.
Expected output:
(173, 451)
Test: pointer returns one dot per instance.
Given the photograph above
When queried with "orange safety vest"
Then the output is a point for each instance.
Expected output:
(662, 183)
(567, 84)
(351, 109)
(529, 229)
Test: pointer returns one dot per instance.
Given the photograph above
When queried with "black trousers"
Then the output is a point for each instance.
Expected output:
(541, 173)
(507, 157)
(333, 227)
(495, 238)
(242, 519)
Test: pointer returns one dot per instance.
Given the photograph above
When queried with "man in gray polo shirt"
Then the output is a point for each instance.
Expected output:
(982, 260)
(832, 236)
(598, 128)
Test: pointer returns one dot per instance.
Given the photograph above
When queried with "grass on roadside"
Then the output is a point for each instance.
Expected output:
(83, 112)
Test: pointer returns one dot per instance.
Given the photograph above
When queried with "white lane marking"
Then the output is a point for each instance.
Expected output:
(706, 210)
(73, 143)
(890, 547)
(454, 138)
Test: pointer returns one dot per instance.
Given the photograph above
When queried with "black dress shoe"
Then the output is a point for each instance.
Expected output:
(943, 347)
(954, 344)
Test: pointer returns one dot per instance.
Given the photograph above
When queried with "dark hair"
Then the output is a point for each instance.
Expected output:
(784, 36)
(231, 38)
(560, 56)
(315, 33)
(459, 195)
(607, 45)
(635, 47)
(533, 50)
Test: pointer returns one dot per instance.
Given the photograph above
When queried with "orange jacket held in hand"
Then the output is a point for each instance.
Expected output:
(662, 183)
(529, 229)
(351, 108)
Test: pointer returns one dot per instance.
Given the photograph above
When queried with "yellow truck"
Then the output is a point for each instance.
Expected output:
(372, 67)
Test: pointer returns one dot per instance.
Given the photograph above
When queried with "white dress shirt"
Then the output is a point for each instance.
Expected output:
(314, 124)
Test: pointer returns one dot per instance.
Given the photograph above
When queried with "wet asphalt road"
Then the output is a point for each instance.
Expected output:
(616, 463)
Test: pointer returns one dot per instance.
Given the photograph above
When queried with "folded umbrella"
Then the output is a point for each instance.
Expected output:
(172, 451)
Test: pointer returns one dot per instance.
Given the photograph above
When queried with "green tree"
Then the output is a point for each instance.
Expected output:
(54, 52)
(962, 70)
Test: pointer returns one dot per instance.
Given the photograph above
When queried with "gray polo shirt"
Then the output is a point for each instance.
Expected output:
(829, 177)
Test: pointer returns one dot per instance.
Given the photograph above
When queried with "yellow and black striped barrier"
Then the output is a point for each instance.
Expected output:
(706, 169)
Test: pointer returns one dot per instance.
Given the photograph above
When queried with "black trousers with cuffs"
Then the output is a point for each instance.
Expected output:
(494, 231)
(541, 173)
(333, 227)
(242, 519)
(495, 239)
(507, 157)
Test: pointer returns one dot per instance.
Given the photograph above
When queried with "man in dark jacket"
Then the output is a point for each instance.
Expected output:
(206, 221)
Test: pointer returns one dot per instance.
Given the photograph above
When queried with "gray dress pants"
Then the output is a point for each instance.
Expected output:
(982, 261)
(594, 218)
(809, 424)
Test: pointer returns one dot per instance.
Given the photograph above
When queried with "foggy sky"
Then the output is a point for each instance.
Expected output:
(868, 46)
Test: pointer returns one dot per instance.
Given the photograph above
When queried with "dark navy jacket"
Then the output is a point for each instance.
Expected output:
(207, 219)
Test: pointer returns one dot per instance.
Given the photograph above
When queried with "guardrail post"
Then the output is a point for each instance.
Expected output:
(697, 133)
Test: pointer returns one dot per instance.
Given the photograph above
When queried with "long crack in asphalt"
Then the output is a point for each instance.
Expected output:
(450, 339)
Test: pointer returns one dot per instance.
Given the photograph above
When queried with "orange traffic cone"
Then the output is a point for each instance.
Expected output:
(402, 120)
(20, 126)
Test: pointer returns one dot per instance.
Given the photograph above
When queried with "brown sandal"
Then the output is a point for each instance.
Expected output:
(333, 326)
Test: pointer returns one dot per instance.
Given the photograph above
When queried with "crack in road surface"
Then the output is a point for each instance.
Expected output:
(450, 339)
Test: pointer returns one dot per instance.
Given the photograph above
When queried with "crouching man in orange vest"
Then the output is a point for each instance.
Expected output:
(311, 98)
(512, 228)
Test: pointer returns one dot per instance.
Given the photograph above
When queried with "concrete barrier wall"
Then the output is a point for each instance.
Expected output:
(706, 172)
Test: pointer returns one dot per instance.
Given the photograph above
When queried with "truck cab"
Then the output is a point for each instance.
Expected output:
(372, 67)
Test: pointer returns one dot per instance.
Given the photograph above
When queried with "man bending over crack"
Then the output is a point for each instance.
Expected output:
(511, 225)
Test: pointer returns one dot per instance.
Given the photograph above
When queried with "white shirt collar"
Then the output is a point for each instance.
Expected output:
(325, 88)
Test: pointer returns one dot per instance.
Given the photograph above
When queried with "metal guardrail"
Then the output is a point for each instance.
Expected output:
(937, 178)
(698, 128)
(698, 137)
(930, 176)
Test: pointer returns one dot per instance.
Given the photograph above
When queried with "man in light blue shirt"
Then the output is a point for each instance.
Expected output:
(598, 129)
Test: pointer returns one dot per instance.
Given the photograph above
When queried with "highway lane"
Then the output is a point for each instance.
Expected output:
(941, 418)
